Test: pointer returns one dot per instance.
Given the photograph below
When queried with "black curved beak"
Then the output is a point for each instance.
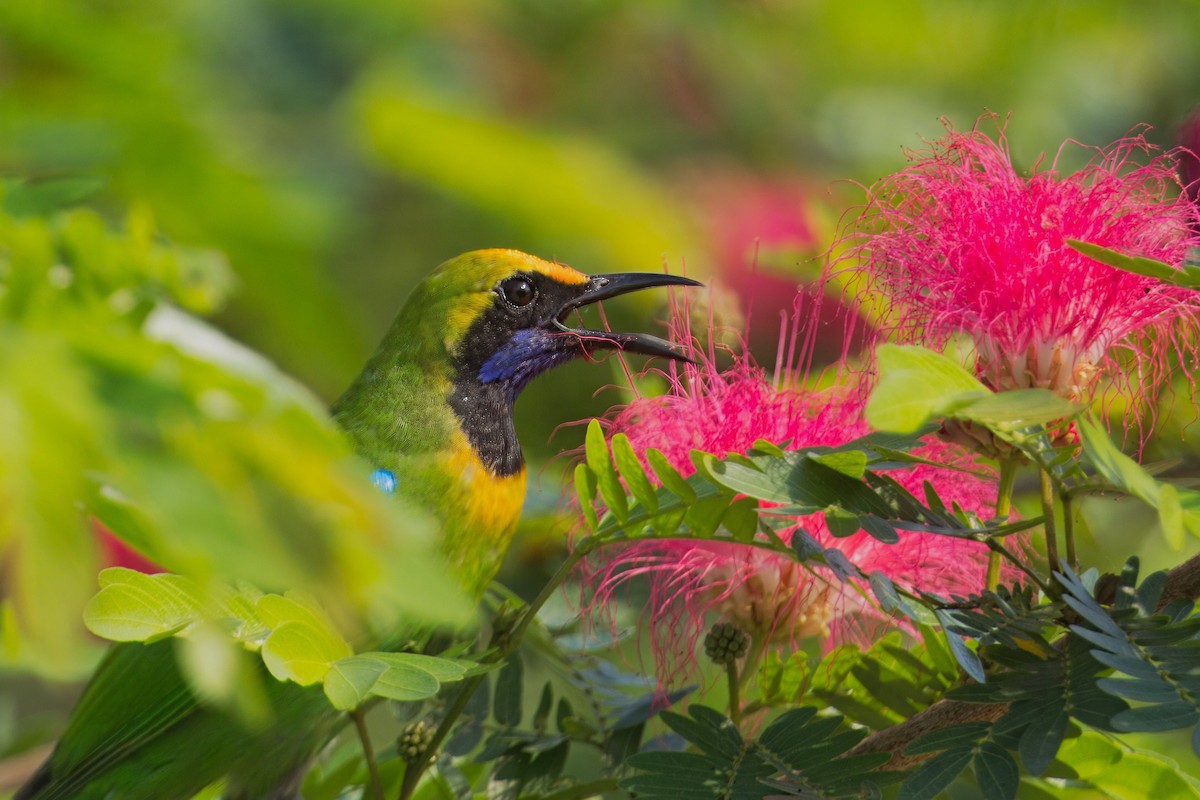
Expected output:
(602, 287)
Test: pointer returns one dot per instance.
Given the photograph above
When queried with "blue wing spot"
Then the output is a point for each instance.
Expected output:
(385, 480)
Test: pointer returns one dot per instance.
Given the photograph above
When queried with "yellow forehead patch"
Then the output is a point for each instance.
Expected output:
(560, 273)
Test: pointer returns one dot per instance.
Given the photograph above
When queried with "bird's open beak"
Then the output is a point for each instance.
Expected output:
(602, 287)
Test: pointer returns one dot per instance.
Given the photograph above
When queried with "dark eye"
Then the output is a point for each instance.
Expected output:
(518, 291)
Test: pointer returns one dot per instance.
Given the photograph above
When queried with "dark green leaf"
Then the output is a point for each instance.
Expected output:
(1041, 739)
(996, 772)
(965, 656)
(935, 774)
(508, 698)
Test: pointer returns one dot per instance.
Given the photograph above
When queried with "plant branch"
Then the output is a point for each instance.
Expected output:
(504, 642)
(1008, 471)
(1069, 530)
(364, 737)
(1183, 583)
(1000, 551)
(1048, 520)
(735, 700)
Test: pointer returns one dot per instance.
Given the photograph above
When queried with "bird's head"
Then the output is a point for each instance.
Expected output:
(502, 316)
(470, 337)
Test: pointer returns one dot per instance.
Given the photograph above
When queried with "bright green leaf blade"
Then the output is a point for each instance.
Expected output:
(133, 607)
(669, 477)
(585, 490)
(632, 471)
(916, 384)
(1017, 408)
(405, 683)
(1138, 265)
(302, 644)
(443, 669)
(349, 681)
(599, 461)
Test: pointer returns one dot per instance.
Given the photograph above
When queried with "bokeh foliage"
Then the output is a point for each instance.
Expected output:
(293, 167)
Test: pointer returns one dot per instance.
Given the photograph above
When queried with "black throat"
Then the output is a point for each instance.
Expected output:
(485, 411)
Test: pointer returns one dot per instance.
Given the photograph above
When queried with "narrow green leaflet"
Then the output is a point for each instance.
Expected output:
(669, 477)
(631, 470)
(1148, 267)
(800, 753)
(585, 490)
(600, 462)
(1155, 655)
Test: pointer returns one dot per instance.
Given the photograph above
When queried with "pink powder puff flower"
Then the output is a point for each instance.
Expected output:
(960, 243)
(774, 599)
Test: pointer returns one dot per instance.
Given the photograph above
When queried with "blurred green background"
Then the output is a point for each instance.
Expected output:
(337, 151)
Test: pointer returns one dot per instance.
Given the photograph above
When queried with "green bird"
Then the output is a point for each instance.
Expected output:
(432, 409)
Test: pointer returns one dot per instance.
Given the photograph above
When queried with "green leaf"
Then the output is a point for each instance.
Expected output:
(1138, 265)
(1016, 408)
(349, 681)
(508, 701)
(1170, 516)
(741, 519)
(916, 384)
(996, 772)
(445, 670)
(133, 607)
(935, 774)
(631, 470)
(705, 515)
(852, 463)
(585, 490)
(964, 655)
(303, 643)
(600, 462)
(669, 477)
(1126, 772)
(405, 682)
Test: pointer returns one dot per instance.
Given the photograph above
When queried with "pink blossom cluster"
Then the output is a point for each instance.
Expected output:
(772, 597)
(960, 242)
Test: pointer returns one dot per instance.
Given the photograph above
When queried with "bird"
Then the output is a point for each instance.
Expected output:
(432, 412)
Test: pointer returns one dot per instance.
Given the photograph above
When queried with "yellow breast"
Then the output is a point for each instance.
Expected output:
(483, 517)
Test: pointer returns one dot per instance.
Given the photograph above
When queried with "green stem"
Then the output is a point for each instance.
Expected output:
(758, 645)
(1000, 551)
(1069, 531)
(1048, 522)
(364, 737)
(506, 644)
(735, 700)
(1008, 472)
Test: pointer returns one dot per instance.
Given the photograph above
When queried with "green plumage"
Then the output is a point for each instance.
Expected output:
(434, 406)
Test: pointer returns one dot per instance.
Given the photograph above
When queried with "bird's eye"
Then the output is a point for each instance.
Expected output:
(518, 291)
